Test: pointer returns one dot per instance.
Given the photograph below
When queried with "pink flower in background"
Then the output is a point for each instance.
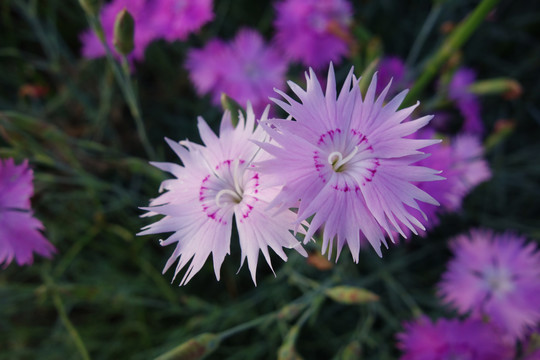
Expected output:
(390, 68)
(246, 69)
(348, 162)
(145, 30)
(216, 183)
(176, 19)
(205, 68)
(467, 102)
(168, 19)
(445, 339)
(494, 276)
(313, 32)
(20, 234)
(462, 164)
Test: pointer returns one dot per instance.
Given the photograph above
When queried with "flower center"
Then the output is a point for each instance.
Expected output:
(338, 162)
(233, 194)
(498, 280)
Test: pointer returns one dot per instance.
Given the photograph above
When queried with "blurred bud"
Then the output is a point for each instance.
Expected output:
(353, 351)
(509, 88)
(230, 104)
(287, 351)
(502, 129)
(33, 91)
(317, 260)
(124, 30)
(290, 311)
(193, 349)
(447, 27)
(367, 74)
(351, 295)
(91, 7)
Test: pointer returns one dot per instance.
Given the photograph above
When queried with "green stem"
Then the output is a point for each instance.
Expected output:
(59, 305)
(423, 34)
(405, 296)
(122, 75)
(452, 43)
(248, 325)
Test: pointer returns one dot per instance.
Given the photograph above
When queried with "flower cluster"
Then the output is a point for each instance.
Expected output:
(20, 234)
(493, 280)
(344, 160)
(161, 19)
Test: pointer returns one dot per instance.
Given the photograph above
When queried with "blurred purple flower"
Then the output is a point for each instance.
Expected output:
(313, 32)
(217, 182)
(466, 102)
(246, 69)
(176, 19)
(348, 161)
(462, 164)
(390, 68)
(448, 339)
(19, 230)
(494, 276)
(168, 19)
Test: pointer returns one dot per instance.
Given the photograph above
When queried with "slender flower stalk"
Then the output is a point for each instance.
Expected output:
(454, 41)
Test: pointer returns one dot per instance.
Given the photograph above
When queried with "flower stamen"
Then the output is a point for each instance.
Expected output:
(337, 161)
(236, 197)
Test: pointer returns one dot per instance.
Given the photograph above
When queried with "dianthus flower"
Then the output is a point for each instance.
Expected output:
(313, 32)
(216, 183)
(246, 69)
(494, 276)
(20, 234)
(348, 162)
(466, 102)
(463, 166)
(470, 339)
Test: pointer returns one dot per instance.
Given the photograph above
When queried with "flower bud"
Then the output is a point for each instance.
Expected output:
(351, 295)
(509, 88)
(193, 349)
(124, 30)
(230, 104)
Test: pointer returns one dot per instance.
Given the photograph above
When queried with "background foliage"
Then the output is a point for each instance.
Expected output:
(104, 291)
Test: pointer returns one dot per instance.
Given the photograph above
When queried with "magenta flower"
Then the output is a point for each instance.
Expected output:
(20, 234)
(216, 183)
(145, 29)
(494, 276)
(466, 102)
(452, 339)
(462, 164)
(246, 69)
(392, 69)
(348, 162)
(313, 32)
(176, 19)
